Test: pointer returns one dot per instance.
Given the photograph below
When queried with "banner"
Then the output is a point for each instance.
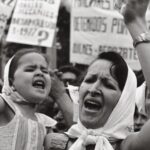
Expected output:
(96, 27)
(34, 22)
(5, 12)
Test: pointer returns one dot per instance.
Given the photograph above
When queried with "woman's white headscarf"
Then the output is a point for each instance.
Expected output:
(118, 126)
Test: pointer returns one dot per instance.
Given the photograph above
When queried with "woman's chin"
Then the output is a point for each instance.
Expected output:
(90, 123)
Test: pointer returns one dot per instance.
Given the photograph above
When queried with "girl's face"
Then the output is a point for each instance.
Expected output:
(31, 78)
(99, 94)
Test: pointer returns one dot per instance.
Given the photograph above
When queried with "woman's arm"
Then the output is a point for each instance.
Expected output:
(134, 18)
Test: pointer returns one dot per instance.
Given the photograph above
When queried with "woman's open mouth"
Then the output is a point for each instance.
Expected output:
(92, 105)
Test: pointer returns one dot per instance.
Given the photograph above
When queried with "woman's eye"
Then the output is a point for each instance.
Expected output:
(89, 80)
(109, 85)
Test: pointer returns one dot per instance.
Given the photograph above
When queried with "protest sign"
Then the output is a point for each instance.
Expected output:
(5, 12)
(34, 22)
(96, 27)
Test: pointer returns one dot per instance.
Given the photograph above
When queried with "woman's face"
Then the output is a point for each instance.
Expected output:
(99, 94)
(31, 78)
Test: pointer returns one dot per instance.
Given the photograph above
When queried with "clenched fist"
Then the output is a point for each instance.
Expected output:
(132, 9)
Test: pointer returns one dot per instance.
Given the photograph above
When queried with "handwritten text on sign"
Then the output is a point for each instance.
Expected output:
(34, 22)
(96, 27)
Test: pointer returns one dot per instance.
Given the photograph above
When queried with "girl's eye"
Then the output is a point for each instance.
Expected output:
(29, 69)
(45, 71)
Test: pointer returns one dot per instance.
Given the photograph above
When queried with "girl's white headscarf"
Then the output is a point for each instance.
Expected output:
(7, 90)
(118, 126)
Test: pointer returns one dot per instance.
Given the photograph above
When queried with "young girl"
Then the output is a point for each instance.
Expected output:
(26, 83)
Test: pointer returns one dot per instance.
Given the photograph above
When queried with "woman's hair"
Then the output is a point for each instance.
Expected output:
(119, 69)
(14, 62)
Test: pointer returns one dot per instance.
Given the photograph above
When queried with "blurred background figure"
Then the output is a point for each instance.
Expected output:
(69, 75)
(142, 108)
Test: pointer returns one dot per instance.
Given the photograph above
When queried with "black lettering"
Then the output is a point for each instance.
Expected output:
(93, 24)
(76, 48)
(118, 26)
(103, 4)
(81, 3)
(87, 49)
(125, 52)
(82, 49)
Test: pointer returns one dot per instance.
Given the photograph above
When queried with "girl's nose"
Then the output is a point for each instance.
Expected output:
(39, 72)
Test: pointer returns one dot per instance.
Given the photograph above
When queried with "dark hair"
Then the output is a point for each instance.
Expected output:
(14, 62)
(119, 69)
(140, 77)
(69, 68)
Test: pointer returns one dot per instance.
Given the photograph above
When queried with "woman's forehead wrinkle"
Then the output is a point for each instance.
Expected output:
(103, 73)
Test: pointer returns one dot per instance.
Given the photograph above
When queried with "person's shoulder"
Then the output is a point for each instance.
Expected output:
(132, 142)
(57, 141)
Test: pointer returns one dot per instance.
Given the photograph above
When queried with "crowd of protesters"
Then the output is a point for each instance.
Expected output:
(37, 106)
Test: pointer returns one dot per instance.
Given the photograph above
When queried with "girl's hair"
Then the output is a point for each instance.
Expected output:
(14, 62)
(119, 69)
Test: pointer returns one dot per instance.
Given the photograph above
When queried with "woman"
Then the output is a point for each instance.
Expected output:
(106, 105)
(109, 129)
(105, 120)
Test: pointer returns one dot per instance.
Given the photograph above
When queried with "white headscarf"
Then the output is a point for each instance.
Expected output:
(118, 125)
(7, 90)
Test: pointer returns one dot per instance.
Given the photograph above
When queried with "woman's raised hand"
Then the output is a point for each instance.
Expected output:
(134, 10)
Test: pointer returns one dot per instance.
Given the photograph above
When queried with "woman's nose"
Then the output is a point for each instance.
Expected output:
(95, 90)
